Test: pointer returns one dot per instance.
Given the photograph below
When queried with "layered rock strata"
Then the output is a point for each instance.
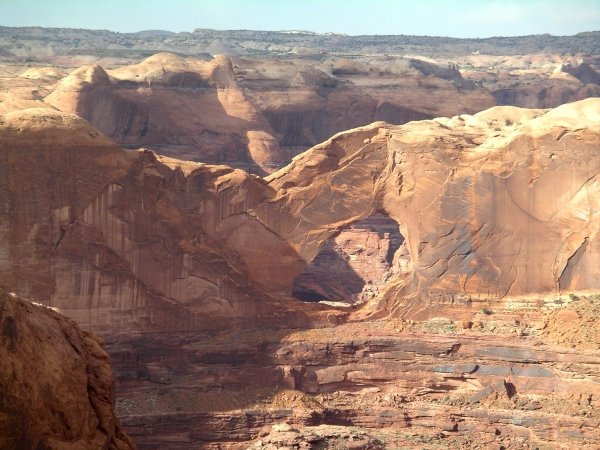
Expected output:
(493, 379)
(188, 271)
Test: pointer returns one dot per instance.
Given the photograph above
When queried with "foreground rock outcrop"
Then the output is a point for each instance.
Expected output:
(56, 386)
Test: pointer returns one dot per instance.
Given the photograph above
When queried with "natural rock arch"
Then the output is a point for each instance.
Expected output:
(354, 264)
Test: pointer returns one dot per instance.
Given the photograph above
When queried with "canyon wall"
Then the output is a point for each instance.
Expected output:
(189, 109)
(121, 239)
(466, 234)
(497, 204)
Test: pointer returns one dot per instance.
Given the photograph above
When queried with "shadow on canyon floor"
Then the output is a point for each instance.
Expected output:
(442, 382)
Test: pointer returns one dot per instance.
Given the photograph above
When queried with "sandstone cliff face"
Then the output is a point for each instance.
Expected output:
(189, 109)
(583, 72)
(258, 113)
(160, 255)
(123, 240)
(497, 204)
(535, 81)
(353, 265)
(544, 94)
(56, 386)
(242, 113)
(473, 197)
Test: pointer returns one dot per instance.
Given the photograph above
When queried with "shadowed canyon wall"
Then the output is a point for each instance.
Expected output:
(352, 266)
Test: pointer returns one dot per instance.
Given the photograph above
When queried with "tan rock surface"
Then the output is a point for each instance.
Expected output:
(184, 108)
(121, 240)
(477, 198)
(23, 88)
(56, 385)
(187, 270)
(257, 113)
(533, 81)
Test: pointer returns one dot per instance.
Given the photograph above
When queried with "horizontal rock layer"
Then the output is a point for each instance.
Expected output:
(496, 382)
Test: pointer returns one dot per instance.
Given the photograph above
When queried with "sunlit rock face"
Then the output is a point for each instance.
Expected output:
(307, 101)
(491, 205)
(501, 203)
(122, 240)
(188, 109)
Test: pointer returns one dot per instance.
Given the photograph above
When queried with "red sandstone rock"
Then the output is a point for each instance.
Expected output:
(489, 205)
(500, 203)
(87, 226)
(56, 385)
(183, 108)
(158, 254)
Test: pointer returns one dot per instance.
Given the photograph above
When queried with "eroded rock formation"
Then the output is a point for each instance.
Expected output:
(306, 103)
(242, 113)
(56, 386)
(352, 266)
(472, 197)
(189, 109)
(501, 203)
(257, 113)
(188, 271)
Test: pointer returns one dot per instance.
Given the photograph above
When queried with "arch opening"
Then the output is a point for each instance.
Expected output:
(354, 265)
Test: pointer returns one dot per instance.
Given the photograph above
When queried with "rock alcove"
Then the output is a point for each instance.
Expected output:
(354, 265)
